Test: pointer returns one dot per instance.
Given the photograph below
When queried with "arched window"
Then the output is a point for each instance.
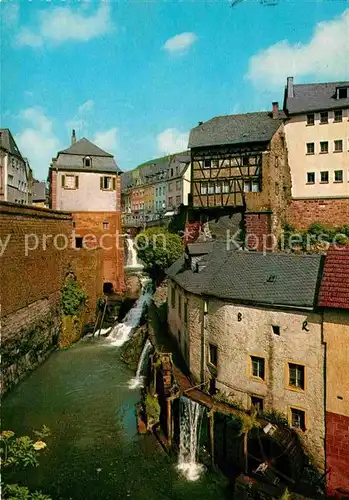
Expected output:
(87, 161)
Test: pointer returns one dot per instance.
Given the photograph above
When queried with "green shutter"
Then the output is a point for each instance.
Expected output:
(76, 182)
(101, 182)
(63, 181)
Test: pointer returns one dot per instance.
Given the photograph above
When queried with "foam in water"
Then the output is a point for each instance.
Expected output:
(189, 438)
(121, 332)
(132, 260)
(138, 380)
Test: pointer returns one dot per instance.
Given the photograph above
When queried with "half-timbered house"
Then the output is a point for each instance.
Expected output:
(239, 163)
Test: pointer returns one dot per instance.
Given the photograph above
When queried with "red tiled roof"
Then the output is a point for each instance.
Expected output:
(334, 290)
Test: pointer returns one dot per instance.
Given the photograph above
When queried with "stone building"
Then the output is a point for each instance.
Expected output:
(15, 172)
(247, 325)
(85, 181)
(178, 186)
(317, 137)
(239, 164)
(334, 299)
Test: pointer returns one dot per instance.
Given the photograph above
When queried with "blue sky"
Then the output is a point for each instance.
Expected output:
(135, 76)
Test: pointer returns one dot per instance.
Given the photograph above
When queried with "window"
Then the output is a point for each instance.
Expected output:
(245, 160)
(257, 365)
(324, 177)
(170, 200)
(179, 337)
(178, 185)
(324, 117)
(218, 187)
(311, 178)
(338, 115)
(171, 172)
(213, 354)
(157, 191)
(338, 146)
(105, 224)
(276, 329)
(257, 403)
(297, 418)
(173, 297)
(210, 188)
(215, 163)
(207, 163)
(185, 313)
(70, 181)
(178, 200)
(310, 148)
(78, 242)
(107, 183)
(225, 187)
(169, 187)
(179, 305)
(251, 186)
(203, 188)
(87, 161)
(324, 147)
(338, 176)
(296, 376)
(310, 119)
(342, 92)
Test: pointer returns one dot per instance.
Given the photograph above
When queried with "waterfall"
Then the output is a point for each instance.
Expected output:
(191, 414)
(137, 381)
(121, 332)
(132, 260)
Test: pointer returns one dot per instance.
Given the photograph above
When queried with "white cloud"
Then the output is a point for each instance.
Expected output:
(86, 107)
(172, 140)
(325, 56)
(107, 140)
(9, 14)
(180, 43)
(61, 24)
(37, 141)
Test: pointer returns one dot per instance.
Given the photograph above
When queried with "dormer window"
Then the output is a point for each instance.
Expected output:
(87, 162)
(342, 92)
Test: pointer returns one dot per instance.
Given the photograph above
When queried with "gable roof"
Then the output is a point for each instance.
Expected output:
(334, 291)
(235, 129)
(86, 148)
(315, 97)
(274, 279)
(8, 143)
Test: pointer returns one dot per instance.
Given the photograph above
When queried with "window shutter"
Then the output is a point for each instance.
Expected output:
(101, 182)
(63, 181)
(114, 183)
(76, 182)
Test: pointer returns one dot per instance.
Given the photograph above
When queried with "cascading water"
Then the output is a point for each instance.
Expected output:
(138, 380)
(132, 260)
(191, 414)
(121, 332)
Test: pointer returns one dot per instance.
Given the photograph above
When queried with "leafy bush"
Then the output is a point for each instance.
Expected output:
(158, 249)
(275, 417)
(73, 296)
(19, 453)
(152, 408)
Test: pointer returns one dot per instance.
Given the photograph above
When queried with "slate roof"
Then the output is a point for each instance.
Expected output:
(334, 291)
(315, 97)
(235, 129)
(39, 191)
(273, 279)
(8, 143)
(71, 159)
(86, 148)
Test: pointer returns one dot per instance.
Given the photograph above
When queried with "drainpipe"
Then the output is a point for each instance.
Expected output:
(203, 343)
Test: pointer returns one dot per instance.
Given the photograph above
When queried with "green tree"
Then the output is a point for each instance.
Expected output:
(158, 249)
(73, 296)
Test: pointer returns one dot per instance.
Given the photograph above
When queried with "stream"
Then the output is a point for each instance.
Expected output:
(82, 394)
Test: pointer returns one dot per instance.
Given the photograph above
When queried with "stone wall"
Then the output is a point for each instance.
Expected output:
(33, 266)
(337, 455)
(239, 332)
(330, 212)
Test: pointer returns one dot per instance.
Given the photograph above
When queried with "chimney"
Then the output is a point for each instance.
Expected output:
(73, 137)
(275, 110)
(200, 123)
(290, 92)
